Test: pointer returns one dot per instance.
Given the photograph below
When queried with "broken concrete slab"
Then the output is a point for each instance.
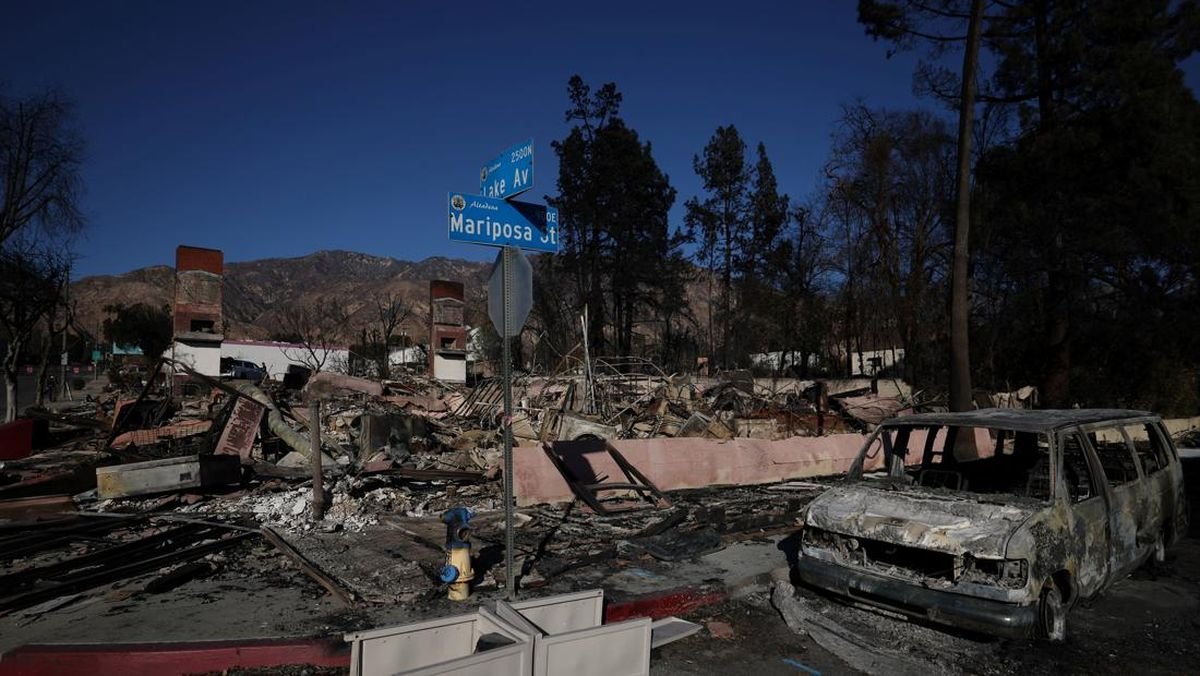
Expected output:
(756, 428)
(297, 460)
(572, 427)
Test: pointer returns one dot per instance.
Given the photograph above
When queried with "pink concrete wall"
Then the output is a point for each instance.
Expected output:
(692, 463)
(677, 463)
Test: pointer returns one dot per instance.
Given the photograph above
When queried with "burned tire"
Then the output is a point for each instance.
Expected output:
(1158, 555)
(1052, 614)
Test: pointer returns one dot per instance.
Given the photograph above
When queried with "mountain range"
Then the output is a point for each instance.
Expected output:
(256, 292)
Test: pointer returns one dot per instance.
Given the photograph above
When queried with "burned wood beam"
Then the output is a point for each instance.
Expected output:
(136, 548)
(343, 595)
(181, 575)
(123, 414)
(431, 474)
(19, 544)
(552, 567)
(113, 574)
(587, 491)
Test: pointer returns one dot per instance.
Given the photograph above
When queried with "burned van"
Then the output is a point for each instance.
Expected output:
(997, 520)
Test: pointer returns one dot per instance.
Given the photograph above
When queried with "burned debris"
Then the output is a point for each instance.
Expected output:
(629, 475)
(185, 454)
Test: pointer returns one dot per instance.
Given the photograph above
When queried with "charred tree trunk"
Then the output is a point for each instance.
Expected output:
(960, 310)
(39, 396)
(10, 381)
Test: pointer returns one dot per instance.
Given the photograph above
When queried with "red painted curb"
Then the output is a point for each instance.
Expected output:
(164, 659)
(665, 604)
(161, 659)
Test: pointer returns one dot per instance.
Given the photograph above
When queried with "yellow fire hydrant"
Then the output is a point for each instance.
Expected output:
(457, 572)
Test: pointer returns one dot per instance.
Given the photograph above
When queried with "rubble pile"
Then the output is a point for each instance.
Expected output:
(234, 457)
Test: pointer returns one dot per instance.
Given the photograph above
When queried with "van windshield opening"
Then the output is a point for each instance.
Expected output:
(970, 460)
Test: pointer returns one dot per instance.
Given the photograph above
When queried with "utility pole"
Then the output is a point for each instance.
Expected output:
(510, 584)
(66, 296)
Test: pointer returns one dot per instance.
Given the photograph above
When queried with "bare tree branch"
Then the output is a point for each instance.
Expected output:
(40, 156)
(320, 328)
(32, 277)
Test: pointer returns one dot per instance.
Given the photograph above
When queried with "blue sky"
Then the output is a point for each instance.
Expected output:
(274, 129)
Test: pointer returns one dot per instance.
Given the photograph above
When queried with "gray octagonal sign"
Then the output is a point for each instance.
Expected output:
(520, 290)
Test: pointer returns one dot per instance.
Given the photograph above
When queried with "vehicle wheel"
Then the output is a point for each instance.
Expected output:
(1052, 614)
(1159, 556)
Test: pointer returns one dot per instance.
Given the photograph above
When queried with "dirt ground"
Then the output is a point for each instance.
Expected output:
(1146, 624)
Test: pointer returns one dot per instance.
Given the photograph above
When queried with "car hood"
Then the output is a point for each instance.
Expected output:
(910, 517)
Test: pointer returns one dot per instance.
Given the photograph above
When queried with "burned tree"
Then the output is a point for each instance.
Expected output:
(888, 185)
(391, 311)
(58, 321)
(39, 162)
(318, 328)
(32, 278)
(40, 156)
(620, 256)
(141, 325)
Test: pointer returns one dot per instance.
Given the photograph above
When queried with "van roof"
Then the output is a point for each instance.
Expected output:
(1021, 420)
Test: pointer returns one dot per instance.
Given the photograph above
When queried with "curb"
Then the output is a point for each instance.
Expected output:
(157, 659)
(664, 604)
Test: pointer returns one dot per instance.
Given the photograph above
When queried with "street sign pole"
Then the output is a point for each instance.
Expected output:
(493, 218)
(510, 588)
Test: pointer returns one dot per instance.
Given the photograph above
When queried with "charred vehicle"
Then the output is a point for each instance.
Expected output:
(997, 520)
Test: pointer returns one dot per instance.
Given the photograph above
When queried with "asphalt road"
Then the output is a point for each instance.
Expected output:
(25, 393)
(26, 387)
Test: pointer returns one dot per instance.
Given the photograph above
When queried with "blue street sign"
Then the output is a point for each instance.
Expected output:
(487, 220)
(510, 173)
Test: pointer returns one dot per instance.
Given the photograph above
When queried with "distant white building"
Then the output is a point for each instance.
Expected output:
(870, 362)
(779, 361)
(407, 356)
(276, 356)
(204, 358)
(863, 363)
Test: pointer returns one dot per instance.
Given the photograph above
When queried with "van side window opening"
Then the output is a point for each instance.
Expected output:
(1149, 447)
(1076, 473)
(878, 452)
(1116, 458)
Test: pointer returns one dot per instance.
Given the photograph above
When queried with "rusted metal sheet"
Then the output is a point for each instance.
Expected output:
(238, 436)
